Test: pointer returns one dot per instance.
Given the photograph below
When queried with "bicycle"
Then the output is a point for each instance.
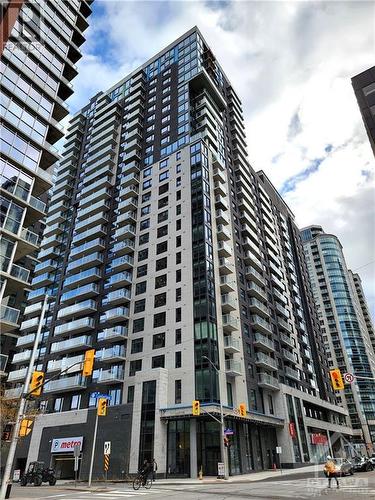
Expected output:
(140, 481)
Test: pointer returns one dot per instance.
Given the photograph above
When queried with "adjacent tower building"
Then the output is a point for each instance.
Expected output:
(364, 89)
(348, 333)
(183, 268)
(40, 45)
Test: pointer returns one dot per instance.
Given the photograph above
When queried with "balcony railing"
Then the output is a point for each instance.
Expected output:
(17, 375)
(264, 360)
(75, 326)
(269, 382)
(66, 345)
(63, 364)
(115, 333)
(66, 384)
(233, 367)
(9, 314)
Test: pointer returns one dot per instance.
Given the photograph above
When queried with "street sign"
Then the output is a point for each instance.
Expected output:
(278, 450)
(77, 450)
(228, 432)
(98, 395)
(107, 447)
(16, 474)
(76, 461)
(349, 378)
(220, 469)
(106, 463)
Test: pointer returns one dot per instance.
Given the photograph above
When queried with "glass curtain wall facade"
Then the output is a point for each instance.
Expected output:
(347, 338)
(41, 46)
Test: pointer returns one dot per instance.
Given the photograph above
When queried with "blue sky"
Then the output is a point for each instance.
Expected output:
(291, 64)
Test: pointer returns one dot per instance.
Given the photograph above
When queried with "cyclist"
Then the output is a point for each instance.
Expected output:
(145, 470)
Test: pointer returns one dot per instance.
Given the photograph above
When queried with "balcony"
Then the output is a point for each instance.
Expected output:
(82, 292)
(228, 304)
(20, 274)
(97, 219)
(111, 354)
(289, 372)
(17, 375)
(268, 382)
(21, 357)
(220, 202)
(121, 263)
(111, 376)
(26, 340)
(62, 364)
(119, 279)
(227, 285)
(130, 217)
(117, 297)
(290, 356)
(8, 318)
(222, 217)
(224, 249)
(66, 384)
(258, 307)
(263, 342)
(256, 291)
(283, 324)
(71, 344)
(30, 324)
(229, 323)
(260, 324)
(46, 266)
(127, 231)
(130, 179)
(113, 334)
(231, 345)
(88, 261)
(43, 279)
(13, 393)
(89, 234)
(218, 175)
(222, 233)
(79, 279)
(233, 368)
(114, 315)
(287, 340)
(87, 306)
(264, 361)
(250, 258)
(76, 326)
(123, 247)
(130, 204)
(253, 275)
(128, 192)
(90, 246)
(225, 266)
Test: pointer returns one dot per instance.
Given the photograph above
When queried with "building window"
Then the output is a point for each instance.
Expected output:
(143, 254)
(158, 361)
(161, 281)
(164, 188)
(160, 248)
(58, 404)
(178, 209)
(147, 172)
(177, 392)
(178, 314)
(178, 224)
(145, 210)
(160, 299)
(147, 184)
(138, 325)
(140, 287)
(178, 258)
(178, 241)
(162, 231)
(178, 294)
(178, 359)
(161, 264)
(159, 319)
(144, 238)
(142, 271)
(135, 366)
(270, 404)
(178, 336)
(144, 224)
(178, 275)
(163, 216)
(137, 346)
(75, 402)
(146, 197)
(130, 394)
(116, 396)
(158, 340)
(139, 305)
(162, 177)
(163, 202)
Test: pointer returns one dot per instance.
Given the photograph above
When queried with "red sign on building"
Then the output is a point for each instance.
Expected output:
(318, 438)
(292, 430)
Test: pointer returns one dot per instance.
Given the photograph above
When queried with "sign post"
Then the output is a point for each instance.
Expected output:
(279, 451)
(77, 450)
(107, 452)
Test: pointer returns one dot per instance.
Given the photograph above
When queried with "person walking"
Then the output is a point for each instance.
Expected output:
(154, 469)
(330, 470)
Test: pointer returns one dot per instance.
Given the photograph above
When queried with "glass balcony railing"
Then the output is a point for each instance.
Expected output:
(125, 260)
(98, 242)
(21, 357)
(111, 375)
(66, 384)
(115, 314)
(229, 322)
(75, 279)
(117, 296)
(9, 314)
(76, 342)
(232, 367)
(113, 333)
(266, 380)
(124, 277)
(37, 204)
(30, 323)
(26, 340)
(75, 326)
(289, 372)
(17, 375)
(29, 236)
(86, 305)
(112, 353)
(94, 257)
(90, 289)
(65, 363)
(264, 360)
(14, 393)
(20, 273)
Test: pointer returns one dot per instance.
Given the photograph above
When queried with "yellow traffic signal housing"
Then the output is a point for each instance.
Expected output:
(196, 408)
(88, 363)
(336, 379)
(25, 428)
(102, 407)
(36, 383)
(242, 409)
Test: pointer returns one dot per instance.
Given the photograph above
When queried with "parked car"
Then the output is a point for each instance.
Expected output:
(372, 459)
(342, 467)
(37, 473)
(362, 464)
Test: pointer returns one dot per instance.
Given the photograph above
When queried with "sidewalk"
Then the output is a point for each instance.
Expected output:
(244, 478)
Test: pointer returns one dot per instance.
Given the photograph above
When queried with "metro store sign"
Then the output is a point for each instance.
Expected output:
(66, 444)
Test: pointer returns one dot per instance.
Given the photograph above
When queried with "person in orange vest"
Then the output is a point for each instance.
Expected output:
(330, 471)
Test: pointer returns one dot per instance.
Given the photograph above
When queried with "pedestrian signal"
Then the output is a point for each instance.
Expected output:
(196, 408)
(102, 407)
(336, 379)
(36, 383)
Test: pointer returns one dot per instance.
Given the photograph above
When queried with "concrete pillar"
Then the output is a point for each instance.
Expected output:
(193, 449)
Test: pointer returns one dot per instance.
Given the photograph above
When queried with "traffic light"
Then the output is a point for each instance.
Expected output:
(196, 408)
(102, 407)
(36, 383)
(25, 428)
(336, 379)
(242, 409)
(88, 363)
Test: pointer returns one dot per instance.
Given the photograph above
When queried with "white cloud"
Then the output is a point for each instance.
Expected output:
(291, 64)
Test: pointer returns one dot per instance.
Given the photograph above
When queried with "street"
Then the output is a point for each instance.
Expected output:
(359, 486)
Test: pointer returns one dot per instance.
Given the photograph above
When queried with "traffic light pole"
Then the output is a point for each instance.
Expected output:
(223, 450)
(21, 410)
(93, 449)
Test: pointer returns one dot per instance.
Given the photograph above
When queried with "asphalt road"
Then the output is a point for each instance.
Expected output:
(359, 487)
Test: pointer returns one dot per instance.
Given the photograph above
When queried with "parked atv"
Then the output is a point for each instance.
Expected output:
(38, 474)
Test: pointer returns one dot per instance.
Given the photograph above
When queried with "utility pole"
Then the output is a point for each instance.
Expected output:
(93, 449)
(7, 480)
(223, 451)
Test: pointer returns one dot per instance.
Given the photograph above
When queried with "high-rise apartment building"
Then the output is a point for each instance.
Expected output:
(182, 267)
(348, 333)
(364, 89)
(40, 45)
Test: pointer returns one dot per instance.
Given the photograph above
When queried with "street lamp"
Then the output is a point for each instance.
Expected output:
(224, 456)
